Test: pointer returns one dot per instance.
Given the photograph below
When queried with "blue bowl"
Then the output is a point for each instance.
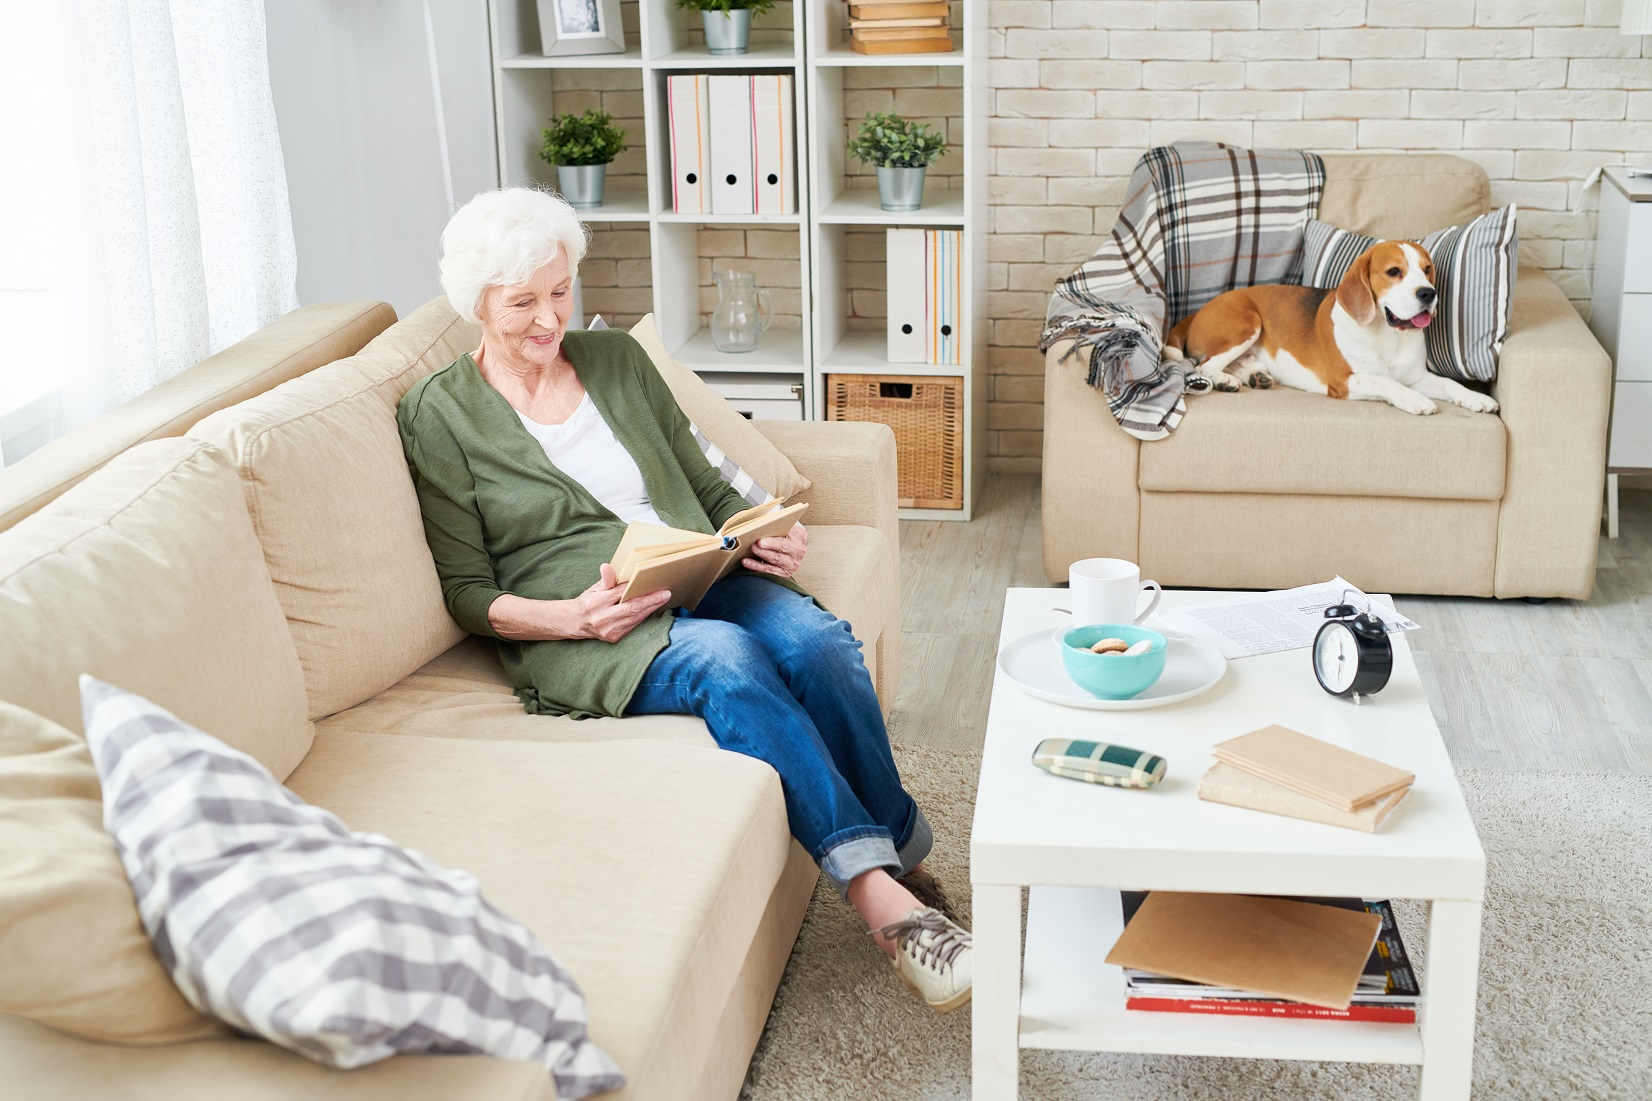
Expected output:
(1112, 676)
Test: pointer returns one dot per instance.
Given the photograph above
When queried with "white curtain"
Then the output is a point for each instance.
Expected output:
(153, 228)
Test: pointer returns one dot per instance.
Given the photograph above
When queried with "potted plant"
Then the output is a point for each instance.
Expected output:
(582, 147)
(727, 22)
(901, 150)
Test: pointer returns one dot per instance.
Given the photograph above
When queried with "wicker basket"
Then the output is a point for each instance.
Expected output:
(927, 414)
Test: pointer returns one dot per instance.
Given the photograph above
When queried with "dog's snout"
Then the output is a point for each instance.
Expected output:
(1427, 295)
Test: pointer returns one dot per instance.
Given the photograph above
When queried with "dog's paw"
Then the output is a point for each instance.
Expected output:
(1477, 403)
(1259, 380)
(1412, 402)
(1223, 382)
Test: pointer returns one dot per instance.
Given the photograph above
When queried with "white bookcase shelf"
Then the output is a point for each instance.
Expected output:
(808, 41)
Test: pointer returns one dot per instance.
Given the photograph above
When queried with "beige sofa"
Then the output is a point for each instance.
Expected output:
(265, 576)
(1270, 489)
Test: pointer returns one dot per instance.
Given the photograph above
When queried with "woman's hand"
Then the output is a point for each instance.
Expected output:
(598, 612)
(779, 555)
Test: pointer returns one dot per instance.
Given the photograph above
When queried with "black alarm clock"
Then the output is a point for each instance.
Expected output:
(1352, 654)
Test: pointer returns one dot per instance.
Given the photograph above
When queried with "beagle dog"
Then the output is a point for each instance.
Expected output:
(1364, 342)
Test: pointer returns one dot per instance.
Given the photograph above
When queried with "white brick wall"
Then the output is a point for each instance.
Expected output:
(1538, 92)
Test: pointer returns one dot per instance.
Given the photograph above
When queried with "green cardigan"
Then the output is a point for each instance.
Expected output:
(500, 518)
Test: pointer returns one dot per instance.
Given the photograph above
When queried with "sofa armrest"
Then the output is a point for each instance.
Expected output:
(1554, 384)
(851, 466)
(1091, 500)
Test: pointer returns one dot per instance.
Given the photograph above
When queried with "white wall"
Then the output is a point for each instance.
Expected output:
(359, 130)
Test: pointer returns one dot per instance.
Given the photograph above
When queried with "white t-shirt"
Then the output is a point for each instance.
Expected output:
(584, 448)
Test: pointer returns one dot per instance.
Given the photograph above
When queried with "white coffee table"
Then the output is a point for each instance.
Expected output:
(1075, 845)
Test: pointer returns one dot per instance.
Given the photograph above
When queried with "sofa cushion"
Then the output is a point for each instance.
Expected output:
(464, 693)
(1290, 441)
(1402, 194)
(43, 1064)
(345, 947)
(646, 867)
(148, 574)
(326, 483)
(285, 348)
(716, 419)
(72, 953)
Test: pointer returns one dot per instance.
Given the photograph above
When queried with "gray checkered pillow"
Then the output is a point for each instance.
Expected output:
(273, 916)
(729, 470)
(1474, 271)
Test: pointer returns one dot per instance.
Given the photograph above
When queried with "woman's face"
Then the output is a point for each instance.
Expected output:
(525, 322)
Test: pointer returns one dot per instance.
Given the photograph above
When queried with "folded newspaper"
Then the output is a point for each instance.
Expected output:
(1265, 623)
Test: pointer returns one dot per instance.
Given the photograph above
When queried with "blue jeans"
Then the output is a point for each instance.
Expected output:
(777, 678)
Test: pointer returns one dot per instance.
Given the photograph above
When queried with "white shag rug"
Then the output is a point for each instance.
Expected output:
(1565, 973)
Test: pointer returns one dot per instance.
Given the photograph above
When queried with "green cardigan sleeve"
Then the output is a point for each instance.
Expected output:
(716, 496)
(452, 519)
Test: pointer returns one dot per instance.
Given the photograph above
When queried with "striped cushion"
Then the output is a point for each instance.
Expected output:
(1474, 271)
(273, 916)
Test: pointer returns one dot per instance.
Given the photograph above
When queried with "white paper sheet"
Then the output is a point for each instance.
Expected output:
(1266, 623)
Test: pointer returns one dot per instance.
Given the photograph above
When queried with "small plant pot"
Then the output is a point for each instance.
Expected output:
(901, 188)
(582, 184)
(727, 32)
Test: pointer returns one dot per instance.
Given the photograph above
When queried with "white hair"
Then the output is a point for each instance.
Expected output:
(500, 238)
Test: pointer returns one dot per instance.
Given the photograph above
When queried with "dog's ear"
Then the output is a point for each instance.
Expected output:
(1354, 292)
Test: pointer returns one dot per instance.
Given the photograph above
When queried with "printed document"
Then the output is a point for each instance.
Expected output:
(1265, 623)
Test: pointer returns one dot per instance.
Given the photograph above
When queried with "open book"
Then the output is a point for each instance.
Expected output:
(652, 557)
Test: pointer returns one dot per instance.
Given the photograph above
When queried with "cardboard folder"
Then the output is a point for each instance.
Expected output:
(1294, 950)
(733, 179)
(690, 118)
(774, 144)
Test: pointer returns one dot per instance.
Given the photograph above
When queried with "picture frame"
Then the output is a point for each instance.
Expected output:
(580, 27)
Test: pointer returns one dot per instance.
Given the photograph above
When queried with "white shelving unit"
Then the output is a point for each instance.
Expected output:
(659, 44)
(816, 54)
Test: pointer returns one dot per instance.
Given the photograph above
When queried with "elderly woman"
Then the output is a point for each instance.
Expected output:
(530, 456)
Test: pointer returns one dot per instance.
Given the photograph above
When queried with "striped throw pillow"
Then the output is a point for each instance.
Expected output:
(1474, 271)
(276, 918)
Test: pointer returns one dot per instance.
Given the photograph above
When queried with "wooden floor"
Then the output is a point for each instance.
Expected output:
(1516, 686)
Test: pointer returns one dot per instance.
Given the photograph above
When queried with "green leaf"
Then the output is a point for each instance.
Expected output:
(890, 141)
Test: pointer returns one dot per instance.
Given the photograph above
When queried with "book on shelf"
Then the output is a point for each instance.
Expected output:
(651, 557)
(1224, 783)
(1297, 951)
(906, 46)
(899, 27)
(1335, 776)
(1387, 989)
(1358, 1010)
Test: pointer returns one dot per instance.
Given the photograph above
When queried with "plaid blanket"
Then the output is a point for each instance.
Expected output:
(1199, 219)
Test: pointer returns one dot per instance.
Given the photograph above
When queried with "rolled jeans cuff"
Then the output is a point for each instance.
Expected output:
(920, 839)
(859, 851)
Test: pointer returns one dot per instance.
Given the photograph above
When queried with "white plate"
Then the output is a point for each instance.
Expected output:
(1034, 663)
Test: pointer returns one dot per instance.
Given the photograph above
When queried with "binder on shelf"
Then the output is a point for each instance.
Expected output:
(944, 271)
(906, 269)
(774, 144)
(733, 181)
(690, 118)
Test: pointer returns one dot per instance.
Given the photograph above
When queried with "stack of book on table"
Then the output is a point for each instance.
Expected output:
(899, 27)
(1385, 990)
(1283, 772)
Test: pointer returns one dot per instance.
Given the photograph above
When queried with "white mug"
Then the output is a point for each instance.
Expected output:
(1105, 590)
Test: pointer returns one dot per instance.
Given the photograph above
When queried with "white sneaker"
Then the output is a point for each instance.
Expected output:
(933, 956)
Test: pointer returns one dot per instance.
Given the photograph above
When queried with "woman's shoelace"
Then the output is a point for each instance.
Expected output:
(948, 941)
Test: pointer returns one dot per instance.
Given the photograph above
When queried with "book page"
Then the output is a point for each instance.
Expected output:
(643, 542)
(732, 525)
(1266, 623)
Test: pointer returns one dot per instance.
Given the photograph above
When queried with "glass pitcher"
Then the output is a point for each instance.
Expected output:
(742, 311)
